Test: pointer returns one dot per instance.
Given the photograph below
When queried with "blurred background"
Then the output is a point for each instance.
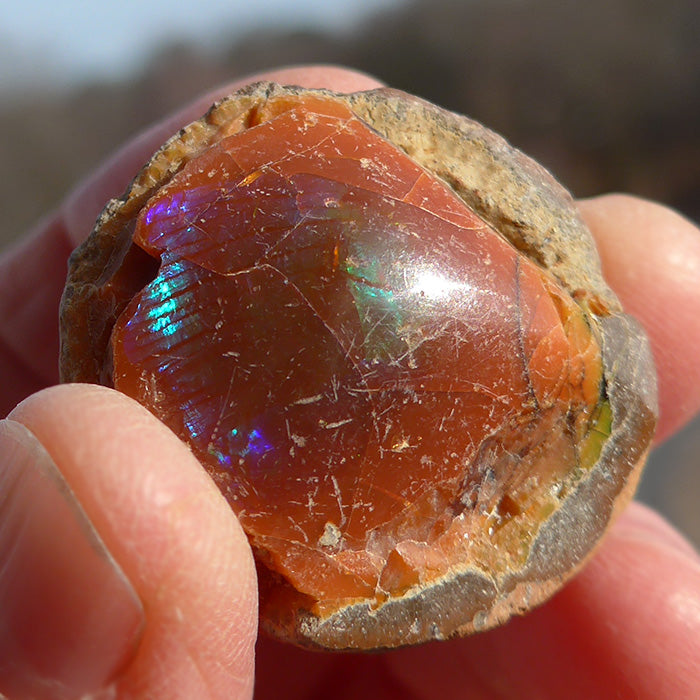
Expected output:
(606, 94)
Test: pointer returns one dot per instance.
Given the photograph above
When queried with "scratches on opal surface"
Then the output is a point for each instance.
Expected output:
(358, 358)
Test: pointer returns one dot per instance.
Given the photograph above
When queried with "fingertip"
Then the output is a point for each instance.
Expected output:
(170, 530)
(651, 258)
(313, 76)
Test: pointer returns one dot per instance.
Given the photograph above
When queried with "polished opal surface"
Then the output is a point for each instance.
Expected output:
(381, 385)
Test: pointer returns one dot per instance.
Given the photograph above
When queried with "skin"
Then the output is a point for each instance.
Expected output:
(628, 626)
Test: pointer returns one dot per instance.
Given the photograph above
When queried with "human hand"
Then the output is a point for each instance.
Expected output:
(171, 613)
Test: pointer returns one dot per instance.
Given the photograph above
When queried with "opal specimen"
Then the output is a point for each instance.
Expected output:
(393, 397)
(355, 354)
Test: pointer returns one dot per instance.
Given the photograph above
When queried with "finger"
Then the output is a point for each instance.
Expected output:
(170, 532)
(651, 258)
(65, 631)
(32, 274)
(627, 626)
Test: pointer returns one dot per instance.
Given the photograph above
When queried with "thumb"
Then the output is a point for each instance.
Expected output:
(154, 591)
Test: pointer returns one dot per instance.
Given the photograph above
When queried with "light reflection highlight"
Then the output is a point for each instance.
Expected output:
(434, 286)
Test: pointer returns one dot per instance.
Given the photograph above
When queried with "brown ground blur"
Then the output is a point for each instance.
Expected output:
(605, 93)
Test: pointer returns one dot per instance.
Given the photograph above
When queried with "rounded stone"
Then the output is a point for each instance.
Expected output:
(385, 334)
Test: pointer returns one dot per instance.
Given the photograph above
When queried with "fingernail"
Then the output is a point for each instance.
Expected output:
(69, 618)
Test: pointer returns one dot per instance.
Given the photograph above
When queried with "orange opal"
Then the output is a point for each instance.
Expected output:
(384, 388)
(354, 354)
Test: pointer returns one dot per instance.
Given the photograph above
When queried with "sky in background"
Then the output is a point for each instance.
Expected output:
(66, 42)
